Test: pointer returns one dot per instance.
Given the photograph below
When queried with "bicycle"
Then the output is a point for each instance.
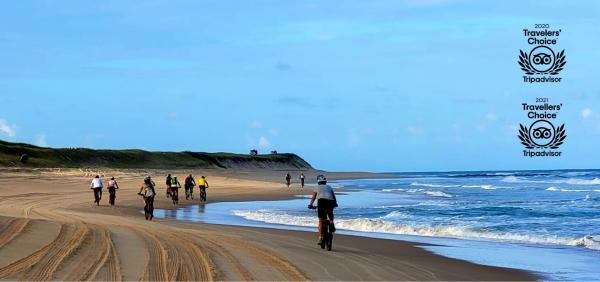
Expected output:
(189, 192)
(202, 194)
(148, 207)
(327, 241)
(175, 195)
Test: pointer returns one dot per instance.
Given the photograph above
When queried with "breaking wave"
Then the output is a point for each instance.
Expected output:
(423, 191)
(558, 189)
(482, 186)
(381, 225)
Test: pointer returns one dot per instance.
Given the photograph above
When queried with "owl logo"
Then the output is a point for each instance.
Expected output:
(542, 60)
(542, 134)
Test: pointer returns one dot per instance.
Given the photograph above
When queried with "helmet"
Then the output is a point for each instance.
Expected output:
(321, 178)
(112, 178)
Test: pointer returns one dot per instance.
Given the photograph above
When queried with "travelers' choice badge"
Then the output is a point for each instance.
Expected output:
(542, 62)
(541, 137)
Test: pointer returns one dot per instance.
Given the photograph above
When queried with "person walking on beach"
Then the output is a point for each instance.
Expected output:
(96, 186)
(112, 191)
(168, 182)
(302, 180)
(189, 187)
(326, 202)
(147, 192)
(288, 178)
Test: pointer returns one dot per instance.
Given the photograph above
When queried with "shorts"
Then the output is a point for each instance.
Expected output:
(325, 208)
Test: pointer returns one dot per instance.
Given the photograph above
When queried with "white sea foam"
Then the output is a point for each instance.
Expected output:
(558, 189)
(434, 185)
(380, 225)
(430, 193)
(393, 190)
(482, 186)
(571, 181)
(486, 187)
(438, 194)
(395, 214)
(576, 181)
(512, 179)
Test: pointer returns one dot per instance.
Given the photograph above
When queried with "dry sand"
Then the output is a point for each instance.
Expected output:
(49, 229)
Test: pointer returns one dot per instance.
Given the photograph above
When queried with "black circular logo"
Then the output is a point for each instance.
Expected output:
(542, 132)
(541, 58)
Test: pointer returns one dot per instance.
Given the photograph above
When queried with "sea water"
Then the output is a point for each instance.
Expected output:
(543, 221)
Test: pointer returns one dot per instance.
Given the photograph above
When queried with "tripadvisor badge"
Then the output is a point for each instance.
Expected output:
(541, 63)
(541, 137)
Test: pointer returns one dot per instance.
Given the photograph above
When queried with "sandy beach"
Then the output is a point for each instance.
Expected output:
(50, 230)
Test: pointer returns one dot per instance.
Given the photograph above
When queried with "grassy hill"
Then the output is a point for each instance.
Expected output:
(10, 154)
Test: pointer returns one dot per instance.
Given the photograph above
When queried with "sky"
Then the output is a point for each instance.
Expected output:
(405, 85)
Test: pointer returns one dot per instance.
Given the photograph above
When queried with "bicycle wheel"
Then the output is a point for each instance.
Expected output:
(325, 237)
(329, 239)
(146, 213)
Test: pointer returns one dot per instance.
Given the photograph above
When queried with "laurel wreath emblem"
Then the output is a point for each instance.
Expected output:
(559, 64)
(559, 138)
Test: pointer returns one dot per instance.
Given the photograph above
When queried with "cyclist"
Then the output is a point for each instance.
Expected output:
(175, 185)
(168, 182)
(203, 184)
(326, 202)
(189, 187)
(288, 178)
(302, 180)
(96, 186)
(147, 191)
(112, 191)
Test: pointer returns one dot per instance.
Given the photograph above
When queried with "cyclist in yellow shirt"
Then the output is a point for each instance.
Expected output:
(202, 184)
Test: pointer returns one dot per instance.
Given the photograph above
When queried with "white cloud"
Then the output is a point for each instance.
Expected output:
(491, 117)
(353, 138)
(586, 113)
(263, 142)
(415, 130)
(40, 140)
(256, 124)
(7, 129)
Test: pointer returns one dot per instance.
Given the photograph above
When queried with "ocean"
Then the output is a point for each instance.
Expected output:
(543, 221)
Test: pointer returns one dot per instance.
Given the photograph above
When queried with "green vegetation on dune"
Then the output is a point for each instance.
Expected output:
(10, 154)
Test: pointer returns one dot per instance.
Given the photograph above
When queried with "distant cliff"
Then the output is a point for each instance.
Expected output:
(10, 156)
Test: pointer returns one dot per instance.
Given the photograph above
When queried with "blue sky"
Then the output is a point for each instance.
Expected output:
(401, 85)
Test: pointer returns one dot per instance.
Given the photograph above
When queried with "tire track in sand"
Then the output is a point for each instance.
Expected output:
(112, 265)
(201, 266)
(46, 266)
(283, 266)
(220, 252)
(30, 260)
(91, 256)
(13, 228)
(156, 269)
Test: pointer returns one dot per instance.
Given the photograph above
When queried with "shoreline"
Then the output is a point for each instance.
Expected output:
(228, 252)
